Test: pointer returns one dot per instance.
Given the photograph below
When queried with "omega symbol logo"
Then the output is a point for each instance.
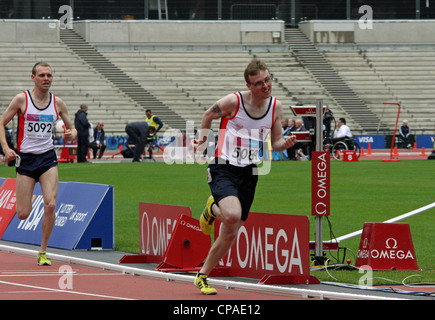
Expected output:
(391, 243)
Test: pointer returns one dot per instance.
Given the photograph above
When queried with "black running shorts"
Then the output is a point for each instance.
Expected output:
(228, 180)
(35, 165)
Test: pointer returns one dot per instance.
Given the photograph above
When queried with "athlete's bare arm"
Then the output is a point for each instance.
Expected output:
(278, 143)
(224, 107)
(16, 106)
(70, 132)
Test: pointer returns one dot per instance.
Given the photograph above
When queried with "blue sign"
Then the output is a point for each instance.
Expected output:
(425, 140)
(376, 141)
(84, 215)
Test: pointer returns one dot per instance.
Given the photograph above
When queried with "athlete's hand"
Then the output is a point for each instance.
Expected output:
(10, 154)
(69, 134)
(198, 145)
(289, 142)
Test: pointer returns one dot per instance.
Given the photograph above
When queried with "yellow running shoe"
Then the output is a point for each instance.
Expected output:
(207, 217)
(202, 283)
(43, 260)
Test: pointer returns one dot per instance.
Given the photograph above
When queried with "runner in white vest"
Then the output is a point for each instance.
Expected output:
(241, 137)
(246, 118)
(36, 160)
(35, 126)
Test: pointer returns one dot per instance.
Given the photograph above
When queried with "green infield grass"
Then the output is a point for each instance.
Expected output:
(364, 191)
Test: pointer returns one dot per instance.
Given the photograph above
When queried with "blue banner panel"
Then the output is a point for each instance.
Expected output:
(29, 230)
(376, 141)
(77, 206)
(426, 141)
(101, 229)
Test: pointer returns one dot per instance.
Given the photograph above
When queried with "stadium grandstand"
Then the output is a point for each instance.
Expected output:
(178, 57)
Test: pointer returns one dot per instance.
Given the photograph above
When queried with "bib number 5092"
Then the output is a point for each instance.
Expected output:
(39, 127)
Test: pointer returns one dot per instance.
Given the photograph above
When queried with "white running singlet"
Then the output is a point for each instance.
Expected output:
(35, 126)
(241, 137)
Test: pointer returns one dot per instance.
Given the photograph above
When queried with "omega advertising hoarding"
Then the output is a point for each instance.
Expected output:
(386, 246)
(269, 244)
(320, 183)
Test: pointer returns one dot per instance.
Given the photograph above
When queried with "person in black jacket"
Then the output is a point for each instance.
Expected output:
(82, 125)
(137, 135)
(405, 133)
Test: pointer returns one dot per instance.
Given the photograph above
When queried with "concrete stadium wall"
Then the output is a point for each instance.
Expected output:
(130, 32)
(20, 31)
(381, 32)
(180, 32)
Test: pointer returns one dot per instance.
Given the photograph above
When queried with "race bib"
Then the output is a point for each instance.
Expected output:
(39, 126)
(246, 151)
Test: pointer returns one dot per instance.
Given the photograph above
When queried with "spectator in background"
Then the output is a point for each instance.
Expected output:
(291, 126)
(137, 135)
(299, 126)
(291, 152)
(99, 142)
(328, 116)
(284, 124)
(405, 133)
(342, 131)
(82, 125)
(153, 121)
(151, 141)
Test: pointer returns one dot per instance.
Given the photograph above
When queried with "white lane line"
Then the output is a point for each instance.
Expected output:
(179, 278)
(44, 289)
